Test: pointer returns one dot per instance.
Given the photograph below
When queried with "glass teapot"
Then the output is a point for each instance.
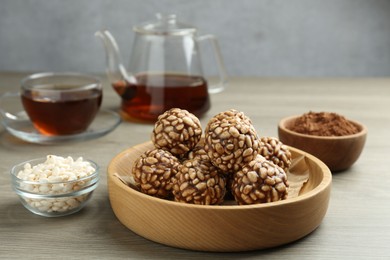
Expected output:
(165, 69)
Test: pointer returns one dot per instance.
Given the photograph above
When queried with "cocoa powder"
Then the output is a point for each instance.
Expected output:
(324, 124)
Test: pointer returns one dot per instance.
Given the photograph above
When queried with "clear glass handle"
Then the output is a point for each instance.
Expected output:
(220, 86)
(4, 112)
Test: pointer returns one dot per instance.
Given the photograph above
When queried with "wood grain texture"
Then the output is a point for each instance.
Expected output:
(225, 228)
(356, 225)
(337, 152)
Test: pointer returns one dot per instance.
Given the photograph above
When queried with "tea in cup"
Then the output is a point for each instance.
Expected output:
(61, 103)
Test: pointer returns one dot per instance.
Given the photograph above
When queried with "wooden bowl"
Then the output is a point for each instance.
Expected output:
(337, 152)
(223, 228)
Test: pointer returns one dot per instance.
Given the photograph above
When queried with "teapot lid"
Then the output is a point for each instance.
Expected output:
(165, 25)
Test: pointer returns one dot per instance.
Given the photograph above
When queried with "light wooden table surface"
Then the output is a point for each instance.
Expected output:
(356, 226)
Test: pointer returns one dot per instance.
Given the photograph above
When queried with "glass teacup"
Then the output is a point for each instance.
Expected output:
(61, 103)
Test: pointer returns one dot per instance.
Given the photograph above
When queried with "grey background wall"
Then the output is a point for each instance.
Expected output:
(258, 37)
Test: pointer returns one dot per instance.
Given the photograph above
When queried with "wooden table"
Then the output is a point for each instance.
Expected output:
(356, 226)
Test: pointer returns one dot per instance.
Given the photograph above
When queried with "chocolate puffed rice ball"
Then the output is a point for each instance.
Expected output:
(274, 150)
(259, 181)
(199, 182)
(176, 131)
(154, 170)
(198, 153)
(231, 140)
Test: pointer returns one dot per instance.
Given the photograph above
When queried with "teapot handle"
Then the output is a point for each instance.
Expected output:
(220, 86)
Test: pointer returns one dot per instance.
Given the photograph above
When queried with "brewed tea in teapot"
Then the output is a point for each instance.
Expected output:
(155, 93)
(165, 69)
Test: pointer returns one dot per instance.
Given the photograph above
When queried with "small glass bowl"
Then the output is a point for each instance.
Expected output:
(54, 199)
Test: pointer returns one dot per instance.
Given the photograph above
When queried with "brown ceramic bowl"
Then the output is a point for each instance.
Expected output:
(221, 228)
(337, 152)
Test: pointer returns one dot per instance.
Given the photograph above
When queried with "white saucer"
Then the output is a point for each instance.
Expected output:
(17, 123)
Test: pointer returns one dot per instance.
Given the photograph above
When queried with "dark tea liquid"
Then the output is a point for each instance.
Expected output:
(64, 114)
(155, 93)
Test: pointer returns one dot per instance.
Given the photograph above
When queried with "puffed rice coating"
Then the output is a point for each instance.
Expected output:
(153, 171)
(199, 182)
(231, 140)
(177, 131)
(260, 181)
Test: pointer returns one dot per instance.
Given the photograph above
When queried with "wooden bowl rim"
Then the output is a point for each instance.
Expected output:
(321, 187)
(282, 125)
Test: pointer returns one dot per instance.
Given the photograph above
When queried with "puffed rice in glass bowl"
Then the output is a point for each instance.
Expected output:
(55, 186)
